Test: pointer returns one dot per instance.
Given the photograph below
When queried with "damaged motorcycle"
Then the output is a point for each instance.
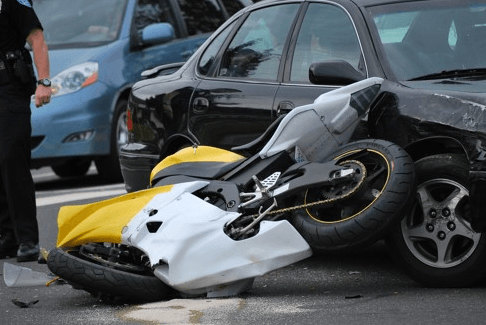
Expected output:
(213, 220)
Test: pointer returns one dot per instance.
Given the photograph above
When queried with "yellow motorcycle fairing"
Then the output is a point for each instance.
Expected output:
(102, 221)
(202, 161)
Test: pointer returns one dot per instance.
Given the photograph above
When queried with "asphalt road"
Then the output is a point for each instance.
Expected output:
(361, 287)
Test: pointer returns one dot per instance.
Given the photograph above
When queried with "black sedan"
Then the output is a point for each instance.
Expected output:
(433, 103)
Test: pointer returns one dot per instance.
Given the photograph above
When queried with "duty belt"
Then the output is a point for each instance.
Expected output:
(5, 73)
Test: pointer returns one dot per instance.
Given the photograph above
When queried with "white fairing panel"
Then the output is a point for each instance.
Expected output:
(191, 253)
(318, 129)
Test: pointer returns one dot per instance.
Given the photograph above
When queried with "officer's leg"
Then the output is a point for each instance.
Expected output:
(16, 176)
(8, 242)
(19, 183)
(6, 225)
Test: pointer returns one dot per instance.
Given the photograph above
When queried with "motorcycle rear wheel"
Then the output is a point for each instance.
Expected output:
(367, 215)
(104, 282)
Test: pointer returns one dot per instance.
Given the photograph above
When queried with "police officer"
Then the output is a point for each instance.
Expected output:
(19, 235)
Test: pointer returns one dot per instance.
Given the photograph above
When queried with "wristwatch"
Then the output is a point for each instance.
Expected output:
(44, 82)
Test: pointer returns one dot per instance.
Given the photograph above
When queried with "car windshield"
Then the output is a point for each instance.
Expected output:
(80, 23)
(428, 40)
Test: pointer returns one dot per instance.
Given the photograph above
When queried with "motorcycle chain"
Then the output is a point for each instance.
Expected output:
(312, 204)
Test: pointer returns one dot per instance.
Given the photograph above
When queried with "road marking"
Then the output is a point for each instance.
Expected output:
(46, 173)
(78, 196)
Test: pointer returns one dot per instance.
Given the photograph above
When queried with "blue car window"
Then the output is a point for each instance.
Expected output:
(201, 16)
(233, 6)
(149, 12)
(75, 23)
(256, 49)
(327, 33)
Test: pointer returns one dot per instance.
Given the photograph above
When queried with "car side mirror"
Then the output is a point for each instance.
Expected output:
(334, 73)
(157, 33)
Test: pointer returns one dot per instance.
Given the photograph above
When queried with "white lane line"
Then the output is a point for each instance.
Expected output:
(41, 177)
(46, 173)
(77, 197)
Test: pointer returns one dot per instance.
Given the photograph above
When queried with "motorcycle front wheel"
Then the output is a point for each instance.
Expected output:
(366, 216)
(104, 281)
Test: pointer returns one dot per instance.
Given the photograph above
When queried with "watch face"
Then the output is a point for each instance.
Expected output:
(45, 82)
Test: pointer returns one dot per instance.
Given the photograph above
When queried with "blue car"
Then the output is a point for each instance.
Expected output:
(97, 51)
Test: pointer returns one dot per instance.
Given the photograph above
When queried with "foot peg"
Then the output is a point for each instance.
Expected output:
(262, 189)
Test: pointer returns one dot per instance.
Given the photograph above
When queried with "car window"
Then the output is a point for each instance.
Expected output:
(149, 12)
(233, 6)
(256, 49)
(393, 28)
(77, 23)
(327, 33)
(419, 41)
(201, 16)
(207, 58)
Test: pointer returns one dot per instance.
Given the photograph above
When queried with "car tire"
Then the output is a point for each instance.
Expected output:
(109, 166)
(75, 167)
(435, 244)
(368, 215)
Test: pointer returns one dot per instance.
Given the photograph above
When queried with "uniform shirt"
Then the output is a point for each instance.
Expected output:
(17, 20)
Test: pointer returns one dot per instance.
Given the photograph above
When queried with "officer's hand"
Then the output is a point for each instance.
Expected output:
(42, 95)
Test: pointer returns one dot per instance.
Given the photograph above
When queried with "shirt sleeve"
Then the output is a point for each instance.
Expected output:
(24, 17)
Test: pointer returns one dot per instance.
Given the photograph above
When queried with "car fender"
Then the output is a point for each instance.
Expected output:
(434, 145)
(176, 142)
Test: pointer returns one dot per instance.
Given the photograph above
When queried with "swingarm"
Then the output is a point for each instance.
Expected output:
(332, 175)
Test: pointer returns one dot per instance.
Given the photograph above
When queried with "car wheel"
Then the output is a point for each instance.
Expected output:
(435, 243)
(72, 168)
(109, 166)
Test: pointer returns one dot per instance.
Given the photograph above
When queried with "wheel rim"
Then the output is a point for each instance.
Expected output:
(378, 174)
(438, 230)
(121, 130)
(115, 263)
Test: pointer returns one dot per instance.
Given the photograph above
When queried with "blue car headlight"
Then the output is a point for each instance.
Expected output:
(75, 78)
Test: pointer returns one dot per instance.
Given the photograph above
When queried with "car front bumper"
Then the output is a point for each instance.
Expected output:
(136, 164)
(76, 124)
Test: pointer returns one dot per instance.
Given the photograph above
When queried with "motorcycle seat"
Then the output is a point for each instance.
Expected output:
(256, 145)
(207, 170)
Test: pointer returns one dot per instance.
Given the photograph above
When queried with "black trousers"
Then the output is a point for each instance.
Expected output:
(17, 192)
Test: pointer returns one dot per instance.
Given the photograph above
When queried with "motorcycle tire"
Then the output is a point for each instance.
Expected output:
(365, 217)
(106, 283)
(435, 244)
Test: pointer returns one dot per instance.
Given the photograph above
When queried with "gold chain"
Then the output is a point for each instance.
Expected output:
(304, 206)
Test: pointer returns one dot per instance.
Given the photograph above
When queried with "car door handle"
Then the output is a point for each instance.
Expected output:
(284, 107)
(200, 105)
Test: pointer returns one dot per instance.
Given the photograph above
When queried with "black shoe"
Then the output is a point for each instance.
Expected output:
(28, 251)
(8, 245)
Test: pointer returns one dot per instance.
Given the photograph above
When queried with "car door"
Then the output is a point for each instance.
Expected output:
(233, 103)
(326, 33)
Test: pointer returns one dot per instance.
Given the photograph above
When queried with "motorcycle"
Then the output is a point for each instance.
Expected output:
(213, 219)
